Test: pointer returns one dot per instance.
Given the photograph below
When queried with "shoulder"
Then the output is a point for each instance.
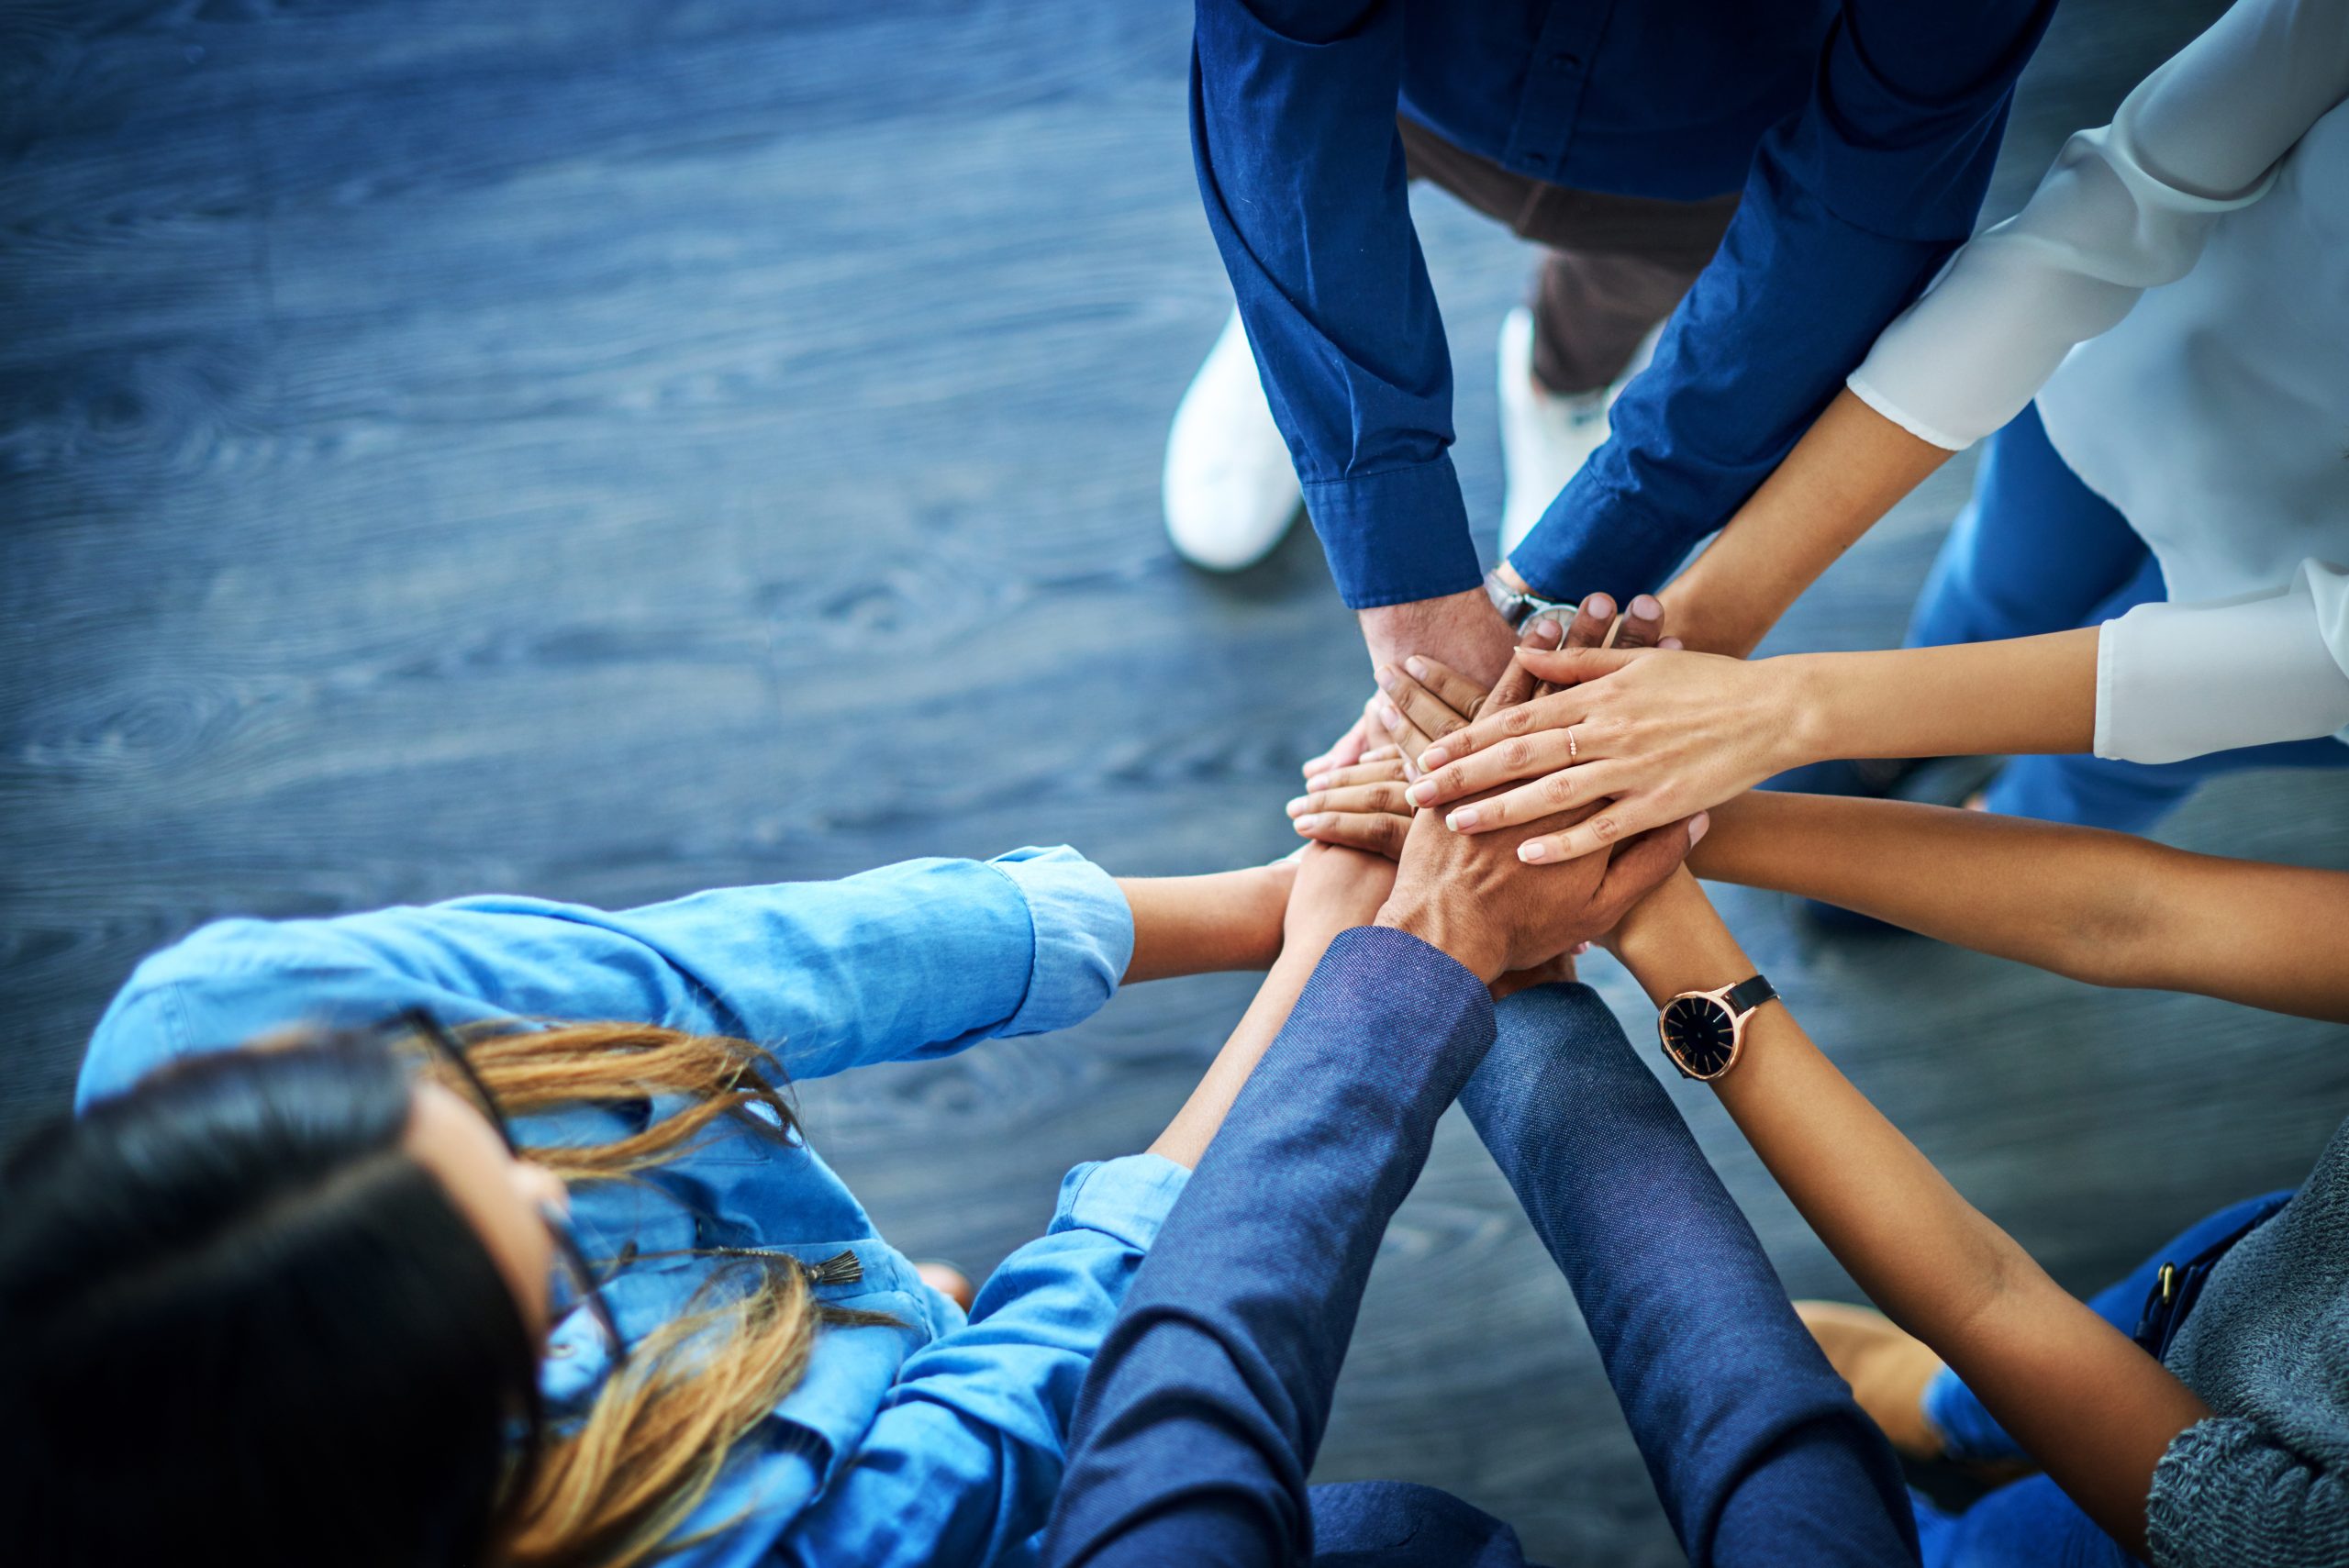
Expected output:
(224, 984)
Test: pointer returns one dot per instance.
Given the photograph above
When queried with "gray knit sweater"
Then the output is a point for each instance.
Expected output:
(2265, 1482)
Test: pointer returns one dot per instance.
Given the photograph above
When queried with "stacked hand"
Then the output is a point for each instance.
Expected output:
(1473, 895)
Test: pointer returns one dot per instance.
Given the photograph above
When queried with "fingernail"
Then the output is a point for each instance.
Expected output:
(1647, 607)
(1432, 759)
(1461, 820)
(1580, 949)
(1389, 715)
(1417, 666)
(1546, 631)
(1598, 605)
(1674, 643)
(1698, 826)
(1420, 794)
(1388, 679)
(1536, 850)
(1307, 824)
(1301, 805)
(1318, 780)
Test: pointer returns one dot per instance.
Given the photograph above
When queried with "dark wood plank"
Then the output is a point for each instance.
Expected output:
(608, 450)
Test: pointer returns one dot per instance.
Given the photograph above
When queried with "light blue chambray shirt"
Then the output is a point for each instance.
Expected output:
(939, 1441)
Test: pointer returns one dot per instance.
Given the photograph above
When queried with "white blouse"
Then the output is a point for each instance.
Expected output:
(2176, 295)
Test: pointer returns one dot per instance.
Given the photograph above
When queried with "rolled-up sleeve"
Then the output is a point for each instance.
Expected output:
(2126, 208)
(1083, 937)
(910, 960)
(2227, 1495)
(965, 1458)
(2177, 681)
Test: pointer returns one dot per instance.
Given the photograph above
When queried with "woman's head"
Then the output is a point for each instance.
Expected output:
(285, 1300)
(287, 1303)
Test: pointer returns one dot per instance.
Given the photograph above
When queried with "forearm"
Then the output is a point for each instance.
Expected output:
(1199, 925)
(1203, 1411)
(2106, 908)
(1840, 480)
(1758, 1453)
(2019, 695)
(2085, 1401)
(1194, 1125)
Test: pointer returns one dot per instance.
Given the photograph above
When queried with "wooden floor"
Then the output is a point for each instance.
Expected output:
(603, 451)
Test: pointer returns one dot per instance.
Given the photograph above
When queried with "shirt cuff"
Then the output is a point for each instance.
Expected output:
(1597, 538)
(1924, 429)
(1396, 536)
(1085, 937)
(1126, 1199)
(2178, 680)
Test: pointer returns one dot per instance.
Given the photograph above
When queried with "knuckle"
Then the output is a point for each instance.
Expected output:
(1518, 753)
(1558, 789)
(1450, 779)
(1605, 829)
(1517, 720)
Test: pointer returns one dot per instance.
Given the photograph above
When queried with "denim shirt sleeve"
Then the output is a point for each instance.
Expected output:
(914, 960)
(1851, 207)
(965, 1457)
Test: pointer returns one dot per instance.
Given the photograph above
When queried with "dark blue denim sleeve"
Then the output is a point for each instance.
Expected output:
(1850, 207)
(1755, 1446)
(1206, 1403)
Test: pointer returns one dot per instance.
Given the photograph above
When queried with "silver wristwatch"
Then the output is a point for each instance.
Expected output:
(1518, 608)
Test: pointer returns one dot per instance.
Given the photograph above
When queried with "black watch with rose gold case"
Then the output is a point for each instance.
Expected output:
(1702, 1030)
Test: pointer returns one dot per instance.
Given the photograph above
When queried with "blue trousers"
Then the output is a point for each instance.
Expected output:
(1753, 1442)
(2031, 1524)
(2036, 551)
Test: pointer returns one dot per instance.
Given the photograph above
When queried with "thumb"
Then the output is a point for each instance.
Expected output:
(1568, 666)
(1640, 864)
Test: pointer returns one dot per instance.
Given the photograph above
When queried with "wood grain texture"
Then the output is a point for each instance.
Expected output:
(607, 451)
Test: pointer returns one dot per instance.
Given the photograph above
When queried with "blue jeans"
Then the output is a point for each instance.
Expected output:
(2031, 1524)
(1756, 1451)
(2036, 551)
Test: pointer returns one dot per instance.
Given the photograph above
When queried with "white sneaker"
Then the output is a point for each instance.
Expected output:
(1546, 438)
(1230, 489)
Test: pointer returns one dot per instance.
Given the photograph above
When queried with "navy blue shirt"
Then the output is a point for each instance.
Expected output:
(1862, 135)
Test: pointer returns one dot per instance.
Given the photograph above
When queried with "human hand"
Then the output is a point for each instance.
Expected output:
(1658, 733)
(1336, 889)
(1463, 629)
(1471, 896)
(1425, 699)
(1364, 806)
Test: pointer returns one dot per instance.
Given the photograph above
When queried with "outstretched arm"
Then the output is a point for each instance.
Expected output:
(2125, 207)
(2087, 1403)
(2108, 909)
(1662, 734)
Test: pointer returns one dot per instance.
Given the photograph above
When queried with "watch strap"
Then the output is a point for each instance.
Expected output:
(1748, 995)
(1517, 608)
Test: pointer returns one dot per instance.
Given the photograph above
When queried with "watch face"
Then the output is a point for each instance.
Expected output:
(1700, 1035)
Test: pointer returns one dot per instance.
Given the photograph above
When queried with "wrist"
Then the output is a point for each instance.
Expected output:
(1463, 629)
(1675, 941)
(1461, 938)
(1799, 693)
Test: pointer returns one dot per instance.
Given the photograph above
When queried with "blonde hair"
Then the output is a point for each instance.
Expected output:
(612, 1491)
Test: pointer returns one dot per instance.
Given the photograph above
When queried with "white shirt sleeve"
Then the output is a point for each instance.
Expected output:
(2125, 208)
(2176, 680)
